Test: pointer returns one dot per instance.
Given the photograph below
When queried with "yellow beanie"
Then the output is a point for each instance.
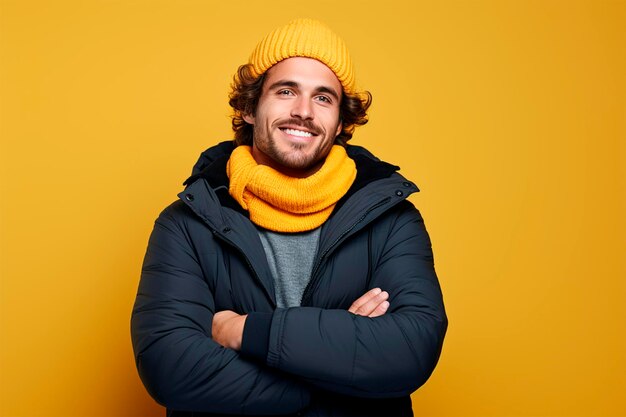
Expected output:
(306, 38)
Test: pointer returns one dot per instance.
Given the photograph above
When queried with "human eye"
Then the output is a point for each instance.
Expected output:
(284, 92)
(324, 99)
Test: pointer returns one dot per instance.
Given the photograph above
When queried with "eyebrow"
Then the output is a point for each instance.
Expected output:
(293, 84)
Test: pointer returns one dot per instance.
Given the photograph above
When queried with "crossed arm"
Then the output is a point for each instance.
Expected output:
(179, 338)
(228, 326)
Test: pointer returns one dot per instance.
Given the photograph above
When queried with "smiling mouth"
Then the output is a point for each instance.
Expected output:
(298, 133)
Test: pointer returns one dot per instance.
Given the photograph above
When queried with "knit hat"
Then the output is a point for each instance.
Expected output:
(305, 38)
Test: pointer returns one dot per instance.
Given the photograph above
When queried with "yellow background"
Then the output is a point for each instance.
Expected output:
(509, 115)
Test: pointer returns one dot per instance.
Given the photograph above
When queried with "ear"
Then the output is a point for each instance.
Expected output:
(248, 118)
(339, 128)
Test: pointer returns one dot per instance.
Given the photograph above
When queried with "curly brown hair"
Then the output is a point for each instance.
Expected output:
(244, 98)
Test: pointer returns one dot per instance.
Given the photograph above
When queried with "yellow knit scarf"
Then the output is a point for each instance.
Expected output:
(285, 204)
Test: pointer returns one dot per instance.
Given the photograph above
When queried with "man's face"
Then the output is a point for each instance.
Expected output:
(297, 118)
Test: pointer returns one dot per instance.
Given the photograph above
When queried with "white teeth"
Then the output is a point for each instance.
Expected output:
(300, 133)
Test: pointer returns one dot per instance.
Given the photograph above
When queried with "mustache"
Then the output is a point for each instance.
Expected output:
(307, 124)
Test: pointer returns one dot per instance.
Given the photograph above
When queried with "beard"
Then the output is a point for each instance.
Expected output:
(296, 156)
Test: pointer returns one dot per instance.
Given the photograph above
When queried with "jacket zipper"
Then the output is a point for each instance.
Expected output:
(318, 264)
(254, 272)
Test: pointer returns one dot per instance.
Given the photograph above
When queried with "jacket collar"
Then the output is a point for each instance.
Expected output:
(211, 166)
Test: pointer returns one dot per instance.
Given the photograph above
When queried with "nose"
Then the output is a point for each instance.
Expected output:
(302, 108)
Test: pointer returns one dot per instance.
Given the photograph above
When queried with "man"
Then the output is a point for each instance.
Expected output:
(292, 276)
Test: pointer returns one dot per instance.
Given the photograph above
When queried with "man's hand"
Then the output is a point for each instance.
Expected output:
(227, 329)
(371, 304)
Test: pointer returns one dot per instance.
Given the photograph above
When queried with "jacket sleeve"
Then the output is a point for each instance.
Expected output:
(387, 356)
(178, 362)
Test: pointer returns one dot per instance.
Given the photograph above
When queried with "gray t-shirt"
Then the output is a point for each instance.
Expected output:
(290, 257)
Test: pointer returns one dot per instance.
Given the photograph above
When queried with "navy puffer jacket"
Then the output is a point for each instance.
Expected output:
(204, 256)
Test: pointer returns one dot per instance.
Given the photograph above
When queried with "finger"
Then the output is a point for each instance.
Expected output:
(369, 307)
(364, 299)
(380, 309)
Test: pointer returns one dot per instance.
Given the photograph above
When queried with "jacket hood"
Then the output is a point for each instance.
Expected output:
(211, 155)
